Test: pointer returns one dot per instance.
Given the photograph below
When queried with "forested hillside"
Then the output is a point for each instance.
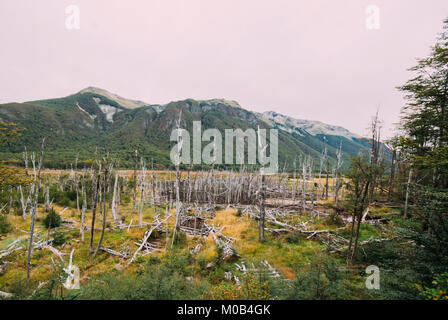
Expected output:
(79, 125)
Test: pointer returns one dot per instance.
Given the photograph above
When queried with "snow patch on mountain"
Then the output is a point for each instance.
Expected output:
(84, 111)
(108, 110)
(312, 127)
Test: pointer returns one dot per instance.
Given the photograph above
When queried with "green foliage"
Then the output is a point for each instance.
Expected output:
(319, 280)
(65, 198)
(399, 270)
(5, 227)
(425, 116)
(294, 238)
(58, 238)
(438, 289)
(21, 289)
(250, 289)
(180, 238)
(52, 219)
(162, 280)
(334, 219)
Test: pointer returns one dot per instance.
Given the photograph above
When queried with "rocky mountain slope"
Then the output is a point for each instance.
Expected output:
(95, 120)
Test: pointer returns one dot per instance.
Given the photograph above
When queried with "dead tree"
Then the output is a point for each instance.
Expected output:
(96, 182)
(146, 237)
(178, 155)
(23, 202)
(142, 193)
(327, 171)
(262, 186)
(304, 171)
(337, 168)
(375, 157)
(107, 170)
(34, 210)
(114, 198)
(153, 193)
(76, 185)
(408, 188)
(84, 206)
(392, 174)
(135, 180)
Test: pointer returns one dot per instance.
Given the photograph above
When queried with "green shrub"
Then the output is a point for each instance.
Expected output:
(59, 238)
(438, 289)
(334, 219)
(293, 238)
(154, 260)
(239, 212)
(180, 238)
(140, 260)
(5, 227)
(162, 280)
(320, 280)
(52, 220)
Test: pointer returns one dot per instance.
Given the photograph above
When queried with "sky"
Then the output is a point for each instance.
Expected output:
(314, 60)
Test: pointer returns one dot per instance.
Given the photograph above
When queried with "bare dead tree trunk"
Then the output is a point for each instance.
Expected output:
(327, 171)
(10, 204)
(84, 208)
(34, 211)
(262, 209)
(114, 198)
(142, 194)
(294, 183)
(319, 184)
(94, 204)
(350, 243)
(178, 155)
(262, 187)
(135, 180)
(338, 166)
(23, 202)
(392, 175)
(107, 167)
(153, 194)
(374, 154)
(408, 187)
(76, 185)
(303, 185)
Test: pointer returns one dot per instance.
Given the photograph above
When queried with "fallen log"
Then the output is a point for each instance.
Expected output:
(54, 251)
(362, 243)
(146, 237)
(8, 252)
(5, 294)
(123, 255)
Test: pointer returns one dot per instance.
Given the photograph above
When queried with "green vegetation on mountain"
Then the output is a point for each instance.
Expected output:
(88, 123)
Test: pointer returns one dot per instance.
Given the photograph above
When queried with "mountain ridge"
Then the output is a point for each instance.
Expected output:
(79, 124)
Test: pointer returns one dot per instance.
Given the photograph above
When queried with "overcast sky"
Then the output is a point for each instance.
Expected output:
(310, 59)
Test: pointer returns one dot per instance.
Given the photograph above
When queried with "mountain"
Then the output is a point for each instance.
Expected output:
(334, 136)
(95, 120)
(126, 103)
(314, 128)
